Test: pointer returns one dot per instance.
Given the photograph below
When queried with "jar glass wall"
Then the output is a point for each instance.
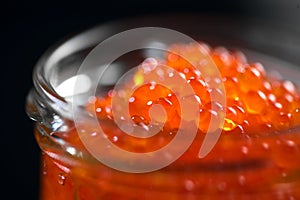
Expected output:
(239, 167)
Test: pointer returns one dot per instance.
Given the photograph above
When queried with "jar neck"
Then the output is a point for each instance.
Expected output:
(43, 104)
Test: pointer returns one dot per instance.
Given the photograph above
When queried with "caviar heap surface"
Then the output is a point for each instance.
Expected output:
(256, 102)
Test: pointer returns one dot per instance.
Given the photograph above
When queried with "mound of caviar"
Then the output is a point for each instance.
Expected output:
(256, 102)
(255, 157)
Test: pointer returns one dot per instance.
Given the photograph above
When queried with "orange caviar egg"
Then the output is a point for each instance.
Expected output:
(101, 107)
(211, 117)
(234, 117)
(250, 74)
(296, 116)
(255, 101)
(231, 85)
(224, 60)
(295, 112)
(201, 89)
(148, 95)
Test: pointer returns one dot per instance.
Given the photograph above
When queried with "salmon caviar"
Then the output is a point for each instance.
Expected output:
(253, 99)
(255, 157)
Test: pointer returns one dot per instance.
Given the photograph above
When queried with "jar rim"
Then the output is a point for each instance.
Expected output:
(96, 34)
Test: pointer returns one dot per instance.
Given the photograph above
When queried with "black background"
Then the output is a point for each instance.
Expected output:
(29, 28)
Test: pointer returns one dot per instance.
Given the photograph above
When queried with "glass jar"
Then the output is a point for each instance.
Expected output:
(264, 167)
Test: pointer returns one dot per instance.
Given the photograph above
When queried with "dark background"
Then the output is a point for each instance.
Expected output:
(29, 28)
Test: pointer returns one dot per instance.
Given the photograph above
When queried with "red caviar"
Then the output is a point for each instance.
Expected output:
(256, 157)
(250, 94)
